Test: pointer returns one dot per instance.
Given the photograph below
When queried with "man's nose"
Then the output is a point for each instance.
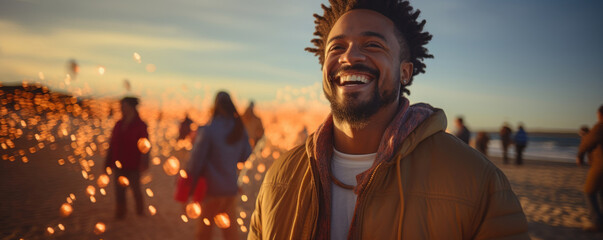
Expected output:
(352, 55)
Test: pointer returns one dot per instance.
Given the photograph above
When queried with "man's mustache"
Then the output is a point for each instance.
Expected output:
(356, 67)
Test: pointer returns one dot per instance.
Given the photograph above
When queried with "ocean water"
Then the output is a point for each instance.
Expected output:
(560, 147)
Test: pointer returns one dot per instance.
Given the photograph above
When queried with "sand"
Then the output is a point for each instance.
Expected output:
(552, 198)
(31, 194)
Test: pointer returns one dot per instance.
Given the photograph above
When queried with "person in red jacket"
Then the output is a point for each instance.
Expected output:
(124, 156)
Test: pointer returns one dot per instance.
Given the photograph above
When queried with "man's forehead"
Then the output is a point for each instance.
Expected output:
(363, 21)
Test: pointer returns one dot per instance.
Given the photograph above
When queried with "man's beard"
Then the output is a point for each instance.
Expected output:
(350, 109)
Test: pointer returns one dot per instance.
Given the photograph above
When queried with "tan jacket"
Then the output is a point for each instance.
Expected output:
(435, 188)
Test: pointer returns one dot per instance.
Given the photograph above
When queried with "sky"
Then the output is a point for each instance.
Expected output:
(536, 62)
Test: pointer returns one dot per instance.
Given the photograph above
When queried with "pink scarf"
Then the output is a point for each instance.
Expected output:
(405, 121)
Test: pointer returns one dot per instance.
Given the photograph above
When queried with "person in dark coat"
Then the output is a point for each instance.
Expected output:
(462, 131)
(505, 139)
(592, 144)
(521, 141)
(481, 142)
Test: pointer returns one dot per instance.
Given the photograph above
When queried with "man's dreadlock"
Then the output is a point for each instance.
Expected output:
(410, 32)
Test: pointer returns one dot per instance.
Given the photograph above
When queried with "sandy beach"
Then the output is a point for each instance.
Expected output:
(32, 193)
(552, 198)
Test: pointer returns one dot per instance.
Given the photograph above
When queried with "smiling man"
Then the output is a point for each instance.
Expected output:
(378, 167)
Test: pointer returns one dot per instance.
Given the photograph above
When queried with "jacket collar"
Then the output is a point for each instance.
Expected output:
(399, 137)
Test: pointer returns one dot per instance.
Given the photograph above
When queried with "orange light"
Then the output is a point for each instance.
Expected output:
(184, 218)
(261, 168)
(90, 190)
(193, 210)
(152, 210)
(66, 209)
(144, 145)
(123, 181)
(222, 220)
(103, 180)
(171, 166)
(244, 198)
(149, 192)
(99, 228)
(183, 174)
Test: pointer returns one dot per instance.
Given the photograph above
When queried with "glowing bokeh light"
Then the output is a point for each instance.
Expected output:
(99, 228)
(151, 67)
(144, 145)
(101, 70)
(183, 174)
(193, 210)
(66, 209)
(184, 218)
(90, 190)
(103, 180)
(171, 166)
(123, 181)
(152, 210)
(137, 57)
(222, 220)
(149, 192)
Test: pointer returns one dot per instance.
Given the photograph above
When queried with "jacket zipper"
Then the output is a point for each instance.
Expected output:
(360, 210)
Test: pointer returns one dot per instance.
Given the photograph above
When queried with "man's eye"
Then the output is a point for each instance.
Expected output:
(374, 45)
(335, 47)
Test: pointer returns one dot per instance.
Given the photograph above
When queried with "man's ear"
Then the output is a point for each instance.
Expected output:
(406, 68)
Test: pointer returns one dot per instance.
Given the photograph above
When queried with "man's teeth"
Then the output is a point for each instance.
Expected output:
(353, 79)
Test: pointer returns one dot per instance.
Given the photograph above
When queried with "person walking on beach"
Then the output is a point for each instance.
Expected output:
(217, 149)
(124, 156)
(184, 131)
(253, 125)
(481, 142)
(378, 167)
(462, 132)
(592, 144)
(505, 139)
(520, 141)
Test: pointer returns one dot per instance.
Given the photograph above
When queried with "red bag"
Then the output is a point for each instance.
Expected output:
(183, 190)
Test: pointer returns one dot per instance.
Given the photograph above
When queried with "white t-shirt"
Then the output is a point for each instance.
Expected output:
(345, 167)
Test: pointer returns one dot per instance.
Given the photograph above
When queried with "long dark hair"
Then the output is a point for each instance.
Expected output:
(224, 107)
